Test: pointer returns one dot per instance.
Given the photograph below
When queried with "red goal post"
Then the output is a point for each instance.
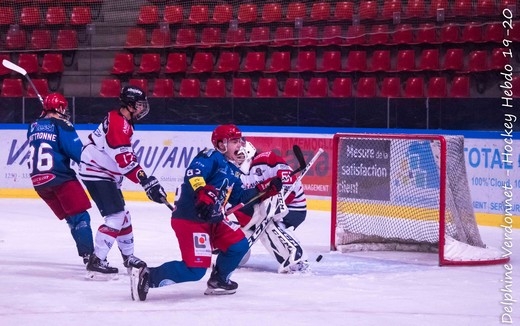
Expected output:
(405, 192)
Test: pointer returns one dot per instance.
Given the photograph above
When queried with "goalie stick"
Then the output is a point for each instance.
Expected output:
(301, 161)
(16, 68)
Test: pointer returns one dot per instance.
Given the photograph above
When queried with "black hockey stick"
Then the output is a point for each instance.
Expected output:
(11, 66)
(301, 161)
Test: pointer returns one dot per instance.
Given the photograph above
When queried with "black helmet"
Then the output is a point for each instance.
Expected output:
(133, 96)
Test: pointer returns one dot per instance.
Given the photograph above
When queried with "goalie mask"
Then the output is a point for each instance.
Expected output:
(57, 103)
(135, 98)
(245, 157)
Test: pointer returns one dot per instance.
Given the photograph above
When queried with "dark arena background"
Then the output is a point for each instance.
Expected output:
(417, 64)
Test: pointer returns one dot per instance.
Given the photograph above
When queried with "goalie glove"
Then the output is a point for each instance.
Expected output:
(154, 190)
(205, 202)
(270, 187)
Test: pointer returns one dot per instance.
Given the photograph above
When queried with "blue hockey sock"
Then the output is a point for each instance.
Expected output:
(174, 272)
(81, 231)
(228, 261)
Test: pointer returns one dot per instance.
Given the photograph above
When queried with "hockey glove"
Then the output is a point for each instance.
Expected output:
(270, 187)
(205, 200)
(154, 190)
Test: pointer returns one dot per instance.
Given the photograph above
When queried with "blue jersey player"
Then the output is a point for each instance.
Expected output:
(53, 143)
(211, 180)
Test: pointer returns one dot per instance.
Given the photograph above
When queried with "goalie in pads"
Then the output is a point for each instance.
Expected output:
(276, 236)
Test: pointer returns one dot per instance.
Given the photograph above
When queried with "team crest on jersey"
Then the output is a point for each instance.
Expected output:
(201, 244)
(258, 172)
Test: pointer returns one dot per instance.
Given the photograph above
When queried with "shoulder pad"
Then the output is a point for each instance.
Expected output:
(64, 124)
(207, 152)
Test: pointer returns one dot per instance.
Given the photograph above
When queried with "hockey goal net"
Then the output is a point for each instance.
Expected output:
(405, 192)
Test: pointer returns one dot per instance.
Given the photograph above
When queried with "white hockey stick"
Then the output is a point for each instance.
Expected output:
(16, 68)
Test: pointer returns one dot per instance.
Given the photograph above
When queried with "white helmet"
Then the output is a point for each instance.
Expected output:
(249, 152)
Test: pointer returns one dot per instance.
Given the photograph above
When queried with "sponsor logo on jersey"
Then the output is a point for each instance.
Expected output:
(42, 179)
(201, 244)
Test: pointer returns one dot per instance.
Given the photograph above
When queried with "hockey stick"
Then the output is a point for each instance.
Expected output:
(301, 160)
(165, 202)
(11, 66)
(261, 227)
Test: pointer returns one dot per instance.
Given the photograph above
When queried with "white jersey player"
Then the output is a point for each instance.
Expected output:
(278, 238)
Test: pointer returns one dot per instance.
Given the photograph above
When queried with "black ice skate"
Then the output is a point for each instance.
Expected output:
(99, 269)
(85, 258)
(132, 261)
(139, 283)
(219, 286)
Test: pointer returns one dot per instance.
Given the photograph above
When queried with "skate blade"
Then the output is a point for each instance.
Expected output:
(134, 279)
(211, 291)
(96, 276)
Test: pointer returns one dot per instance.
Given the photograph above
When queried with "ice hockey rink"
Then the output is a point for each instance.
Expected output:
(42, 281)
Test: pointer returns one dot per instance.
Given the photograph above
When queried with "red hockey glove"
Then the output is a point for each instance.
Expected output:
(285, 175)
(270, 187)
(205, 199)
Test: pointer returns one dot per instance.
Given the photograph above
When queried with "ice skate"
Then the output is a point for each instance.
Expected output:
(139, 283)
(98, 269)
(132, 261)
(218, 286)
(85, 258)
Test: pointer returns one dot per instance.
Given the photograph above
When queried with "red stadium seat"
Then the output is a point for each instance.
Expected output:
(293, 87)
(228, 62)
(472, 32)
(173, 14)
(3, 70)
(305, 61)
(210, 37)
(283, 36)
(391, 87)
(241, 87)
(414, 87)
(267, 87)
(260, 35)
(56, 15)
(254, 61)
(341, 87)
(80, 16)
(512, 5)
(437, 5)
(189, 88)
(16, 39)
(67, 39)
(515, 86)
(332, 34)
(405, 60)
(459, 87)
(453, 60)
(367, 10)
(163, 87)
(356, 35)
(356, 61)
(415, 9)
(381, 61)
(477, 61)
(318, 87)
(150, 63)
(485, 8)
(235, 37)
(222, 14)
(514, 34)
(366, 87)
(52, 63)
(110, 87)
(29, 62)
(139, 82)
(331, 61)
(426, 33)
(123, 64)
(7, 18)
(437, 87)
(378, 35)
(344, 10)
(185, 37)
(199, 14)
(280, 62)
(41, 84)
(295, 10)
(320, 11)
(247, 13)
(135, 37)
(40, 39)
(215, 87)
(498, 60)
(30, 16)
(148, 15)
(308, 36)
(429, 60)
(12, 87)
(462, 8)
(493, 32)
(161, 38)
(271, 13)
(391, 8)
(449, 33)
(202, 62)
(175, 63)
(403, 34)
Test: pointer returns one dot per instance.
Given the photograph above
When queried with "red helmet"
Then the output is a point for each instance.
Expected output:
(225, 132)
(55, 102)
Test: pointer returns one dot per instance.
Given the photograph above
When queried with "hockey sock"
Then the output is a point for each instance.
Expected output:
(174, 272)
(81, 232)
(228, 261)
